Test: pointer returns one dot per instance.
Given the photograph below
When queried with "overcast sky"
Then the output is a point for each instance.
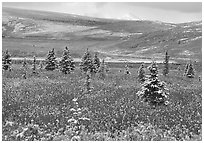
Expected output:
(174, 12)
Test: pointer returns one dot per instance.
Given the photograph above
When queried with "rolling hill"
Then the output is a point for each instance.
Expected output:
(28, 32)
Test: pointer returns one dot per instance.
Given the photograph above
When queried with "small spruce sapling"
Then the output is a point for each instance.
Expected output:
(186, 69)
(40, 65)
(166, 64)
(24, 64)
(88, 81)
(34, 65)
(24, 67)
(190, 73)
(102, 70)
(127, 72)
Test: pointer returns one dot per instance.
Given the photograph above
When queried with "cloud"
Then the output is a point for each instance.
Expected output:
(175, 12)
(187, 7)
(100, 4)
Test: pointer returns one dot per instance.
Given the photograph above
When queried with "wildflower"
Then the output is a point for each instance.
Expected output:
(74, 100)
(76, 138)
(72, 109)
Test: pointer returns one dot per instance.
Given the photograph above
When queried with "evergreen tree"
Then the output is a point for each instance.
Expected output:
(6, 61)
(96, 63)
(166, 64)
(141, 73)
(190, 73)
(102, 70)
(34, 65)
(87, 63)
(153, 90)
(66, 63)
(50, 61)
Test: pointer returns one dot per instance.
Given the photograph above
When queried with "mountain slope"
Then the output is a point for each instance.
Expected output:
(35, 32)
(25, 22)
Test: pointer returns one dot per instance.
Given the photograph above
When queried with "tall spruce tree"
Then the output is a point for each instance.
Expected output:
(141, 73)
(87, 63)
(66, 63)
(153, 90)
(166, 64)
(6, 61)
(190, 73)
(96, 63)
(50, 61)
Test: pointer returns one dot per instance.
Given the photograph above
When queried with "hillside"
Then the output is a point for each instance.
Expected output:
(27, 32)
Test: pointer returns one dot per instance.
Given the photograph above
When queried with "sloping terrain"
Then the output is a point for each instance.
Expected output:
(35, 32)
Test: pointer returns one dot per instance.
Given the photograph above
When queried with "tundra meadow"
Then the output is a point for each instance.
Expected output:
(48, 105)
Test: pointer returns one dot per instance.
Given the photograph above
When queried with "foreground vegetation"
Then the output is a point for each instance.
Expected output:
(40, 107)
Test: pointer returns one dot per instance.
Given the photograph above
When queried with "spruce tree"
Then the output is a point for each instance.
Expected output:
(34, 65)
(102, 70)
(50, 61)
(96, 63)
(141, 73)
(87, 63)
(190, 73)
(66, 63)
(166, 64)
(153, 90)
(6, 61)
